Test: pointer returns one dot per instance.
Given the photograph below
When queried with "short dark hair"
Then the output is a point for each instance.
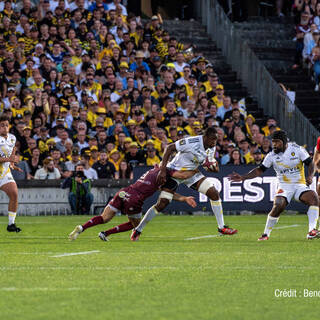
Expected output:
(210, 131)
(4, 117)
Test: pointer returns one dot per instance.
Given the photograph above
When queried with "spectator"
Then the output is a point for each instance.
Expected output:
(257, 157)
(75, 160)
(24, 174)
(235, 158)
(124, 172)
(89, 172)
(103, 167)
(80, 196)
(48, 172)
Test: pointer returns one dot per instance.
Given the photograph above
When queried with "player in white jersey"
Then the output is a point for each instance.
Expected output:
(7, 183)
(288, 161)
(191, 153)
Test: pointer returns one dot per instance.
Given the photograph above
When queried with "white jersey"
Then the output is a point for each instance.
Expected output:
(6, 147)
(288, 165)
(191, 154)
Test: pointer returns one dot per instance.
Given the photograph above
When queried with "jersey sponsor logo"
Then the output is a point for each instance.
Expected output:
(182, 142)
(122, 194)
(193, 140)
(280, 191)
(293, 154)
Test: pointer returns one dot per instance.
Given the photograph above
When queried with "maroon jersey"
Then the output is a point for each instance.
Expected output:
(129, 200)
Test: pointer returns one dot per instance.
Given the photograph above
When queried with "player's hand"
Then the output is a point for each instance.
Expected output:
(162, 176)
(309, 181)
(236, 177)
(191, 202)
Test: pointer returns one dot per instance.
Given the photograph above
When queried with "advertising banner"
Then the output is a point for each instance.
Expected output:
(253, 195)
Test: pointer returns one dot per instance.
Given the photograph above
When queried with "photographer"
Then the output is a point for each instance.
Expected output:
(80, 197)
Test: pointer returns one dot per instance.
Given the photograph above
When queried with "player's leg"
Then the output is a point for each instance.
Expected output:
(205, 186)
(107, 214)
(279, 205)
(164, 199)
(11, 190)
(133, 222)
(310, 198)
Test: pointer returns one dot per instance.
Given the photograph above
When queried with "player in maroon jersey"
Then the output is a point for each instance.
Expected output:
(129, 201)
(316, 161)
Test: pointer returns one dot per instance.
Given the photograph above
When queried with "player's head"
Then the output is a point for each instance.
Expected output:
(4, 125)
(279, 141)
(210, 137)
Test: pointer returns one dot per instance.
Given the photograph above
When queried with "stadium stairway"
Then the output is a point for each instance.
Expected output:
(271, 40)
(192, 32)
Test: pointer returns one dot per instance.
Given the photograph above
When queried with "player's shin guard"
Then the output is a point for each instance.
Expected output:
(218, 212)
(151, 213)
(271, 222)
(313, 215)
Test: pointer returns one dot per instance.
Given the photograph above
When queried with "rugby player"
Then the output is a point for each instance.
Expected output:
(7, 183)
(191, 153)
(129, 201)
(288, 161)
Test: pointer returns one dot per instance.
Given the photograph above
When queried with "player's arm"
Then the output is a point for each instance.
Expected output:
(256, 172)
(316, 159)
(311, 169)
(161, 179)
(11, 158)
(189, 200)
(186, 174)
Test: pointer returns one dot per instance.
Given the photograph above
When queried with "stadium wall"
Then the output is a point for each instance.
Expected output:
(256, 195)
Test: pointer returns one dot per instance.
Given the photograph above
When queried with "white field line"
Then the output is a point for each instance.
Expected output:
(74, 254)
(45, 289)
(150, 268)
(286, 227)
(202, 237)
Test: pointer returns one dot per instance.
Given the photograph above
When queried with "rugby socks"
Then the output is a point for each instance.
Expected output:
(218, 212)
(151, 213)
(120, 228)
(313, 215)
(92, 222)
(271, 222)
(12, 217)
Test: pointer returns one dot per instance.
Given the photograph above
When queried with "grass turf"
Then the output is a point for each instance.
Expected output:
(163, 276)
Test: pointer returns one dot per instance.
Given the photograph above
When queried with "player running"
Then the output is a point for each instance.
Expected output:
(288, 161)
(191, 153)
(316, 161)
(7, 183)
(129, 201)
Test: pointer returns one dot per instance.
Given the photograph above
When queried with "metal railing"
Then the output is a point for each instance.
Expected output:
(254, 74)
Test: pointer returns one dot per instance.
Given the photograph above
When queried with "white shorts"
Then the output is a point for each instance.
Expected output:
(190, 181)
(292, 191)
(6, 179)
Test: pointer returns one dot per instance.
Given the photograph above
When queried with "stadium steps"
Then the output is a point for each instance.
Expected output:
(191, 32)
(271, 39)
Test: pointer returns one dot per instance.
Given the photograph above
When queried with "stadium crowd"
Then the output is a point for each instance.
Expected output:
(86, 83)
(307, 19)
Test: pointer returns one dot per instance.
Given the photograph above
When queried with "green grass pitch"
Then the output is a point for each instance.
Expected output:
(162, 276)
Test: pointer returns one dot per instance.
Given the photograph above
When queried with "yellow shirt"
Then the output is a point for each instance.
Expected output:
(153, 161)
(217, 102)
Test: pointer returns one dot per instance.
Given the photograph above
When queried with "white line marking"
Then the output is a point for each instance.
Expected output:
(150, 268)
(44, 289)
(74, 254)
(285, 227)
(202, 237)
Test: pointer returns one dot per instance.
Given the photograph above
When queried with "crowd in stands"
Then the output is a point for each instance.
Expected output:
(307, 19)
(86, 83)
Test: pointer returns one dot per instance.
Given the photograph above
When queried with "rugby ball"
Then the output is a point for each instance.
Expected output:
(210, 164)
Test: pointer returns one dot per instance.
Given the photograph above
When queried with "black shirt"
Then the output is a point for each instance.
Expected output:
(104, 171)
